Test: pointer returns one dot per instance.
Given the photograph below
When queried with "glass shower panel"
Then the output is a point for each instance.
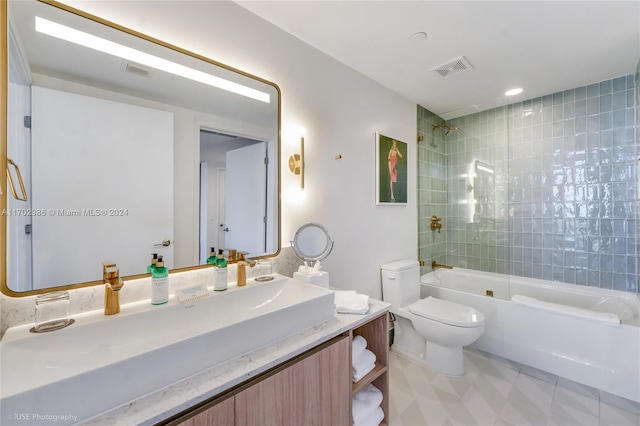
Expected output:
(477, 183)
(463, 179)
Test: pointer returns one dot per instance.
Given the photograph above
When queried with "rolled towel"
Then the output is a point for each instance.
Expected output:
(372, 419)
(357, 346)
(357, 375)
(350, 302)
(369, 395)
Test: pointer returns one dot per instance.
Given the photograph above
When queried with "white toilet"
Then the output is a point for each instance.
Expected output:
(446, 326)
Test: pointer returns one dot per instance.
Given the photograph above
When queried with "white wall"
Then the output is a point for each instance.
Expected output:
(340, 109)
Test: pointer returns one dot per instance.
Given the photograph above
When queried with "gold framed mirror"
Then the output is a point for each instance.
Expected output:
(126, 150)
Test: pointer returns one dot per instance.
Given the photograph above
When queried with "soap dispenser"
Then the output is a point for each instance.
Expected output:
(221, 272)
(159, 283)
(212, 259)
(154, 259)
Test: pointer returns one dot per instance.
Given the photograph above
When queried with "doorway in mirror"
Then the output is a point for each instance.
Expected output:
(234, 181)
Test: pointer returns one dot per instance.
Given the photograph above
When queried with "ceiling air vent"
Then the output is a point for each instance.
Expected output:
(455, 66)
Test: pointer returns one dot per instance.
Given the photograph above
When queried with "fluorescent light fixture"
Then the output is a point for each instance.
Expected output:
(81, 38)
(513, 92)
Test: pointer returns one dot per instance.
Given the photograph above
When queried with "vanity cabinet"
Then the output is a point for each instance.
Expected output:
(376, 333)
(314, 388)
(220, 412)
(313, 391)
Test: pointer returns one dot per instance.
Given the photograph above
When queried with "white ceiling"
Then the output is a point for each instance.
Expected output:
(541, 46)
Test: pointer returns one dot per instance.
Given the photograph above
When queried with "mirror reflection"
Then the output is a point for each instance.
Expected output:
(127, 147)
(484, 191)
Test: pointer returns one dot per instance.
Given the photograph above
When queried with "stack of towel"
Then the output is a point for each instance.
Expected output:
(350, 302)
(362, 359)
(365, 405)
(366, 408)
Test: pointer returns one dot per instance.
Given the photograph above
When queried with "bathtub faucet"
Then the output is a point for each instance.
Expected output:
(435, 265)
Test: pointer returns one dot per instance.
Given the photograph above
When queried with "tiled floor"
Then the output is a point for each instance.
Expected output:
(498, 392)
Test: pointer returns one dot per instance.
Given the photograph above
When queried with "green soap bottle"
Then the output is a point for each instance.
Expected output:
(159, 283)
(212, 259)
(221, 273)
(154, 259)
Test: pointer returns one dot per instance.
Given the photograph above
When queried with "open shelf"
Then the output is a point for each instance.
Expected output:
(378, 370)
(376, 332)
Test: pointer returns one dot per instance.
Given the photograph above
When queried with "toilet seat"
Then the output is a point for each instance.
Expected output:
(447, 312)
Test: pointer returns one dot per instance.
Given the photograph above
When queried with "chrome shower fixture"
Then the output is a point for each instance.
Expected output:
(444, 125)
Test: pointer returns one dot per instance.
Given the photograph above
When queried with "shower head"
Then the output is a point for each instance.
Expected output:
(443, 125)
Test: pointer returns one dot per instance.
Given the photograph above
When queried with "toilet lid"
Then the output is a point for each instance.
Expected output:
(447, 312)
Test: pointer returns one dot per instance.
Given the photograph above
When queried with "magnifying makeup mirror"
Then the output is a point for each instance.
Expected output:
(311, 243)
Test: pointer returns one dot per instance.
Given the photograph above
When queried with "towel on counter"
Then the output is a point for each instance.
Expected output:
(363, 364)
(357, 346)
(350, 302)
(369, 395)
(372, 419)
(365, 402)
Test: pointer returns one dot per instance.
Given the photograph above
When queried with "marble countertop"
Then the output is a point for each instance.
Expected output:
(173, 399)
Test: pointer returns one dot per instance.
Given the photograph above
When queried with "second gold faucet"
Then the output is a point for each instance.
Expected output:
(113, 284)
(242, 271)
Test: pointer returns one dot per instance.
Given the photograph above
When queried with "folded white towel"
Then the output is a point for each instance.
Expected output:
(365, 358)
(365, 402)
(363, 364)
(357, 346)
(350, 302)
(369, 395)
(357, 375)
(372, 419)
(361, 410)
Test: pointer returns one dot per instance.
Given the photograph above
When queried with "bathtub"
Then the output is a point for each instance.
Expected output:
(584, 334)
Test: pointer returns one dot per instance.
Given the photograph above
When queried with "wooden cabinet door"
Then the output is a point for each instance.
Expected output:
(219, 414)
(312, 391)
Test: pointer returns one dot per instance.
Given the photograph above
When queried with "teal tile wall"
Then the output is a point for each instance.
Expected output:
(565, 187)
(432, 188)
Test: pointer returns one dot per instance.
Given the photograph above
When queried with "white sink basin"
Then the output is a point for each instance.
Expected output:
(101, 362)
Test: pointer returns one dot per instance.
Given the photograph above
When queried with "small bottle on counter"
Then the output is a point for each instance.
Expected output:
(212, 259)
(154, 259)
(221, 272)
(159, 283)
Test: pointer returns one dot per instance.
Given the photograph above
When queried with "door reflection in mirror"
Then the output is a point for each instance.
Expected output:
(234, 180)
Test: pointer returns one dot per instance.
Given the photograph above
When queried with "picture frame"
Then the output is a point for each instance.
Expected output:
(391, 171)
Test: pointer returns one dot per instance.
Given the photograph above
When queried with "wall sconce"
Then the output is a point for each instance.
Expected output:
(296, 163)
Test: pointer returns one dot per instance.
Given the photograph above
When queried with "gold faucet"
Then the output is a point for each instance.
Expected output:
(113, 284)
(233, 254)
(435, 223)
(242, 271)
(435, 265)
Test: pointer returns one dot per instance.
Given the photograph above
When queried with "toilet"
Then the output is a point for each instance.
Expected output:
(445, 326)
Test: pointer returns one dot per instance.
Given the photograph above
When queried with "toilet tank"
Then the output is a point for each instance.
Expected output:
(400, 282)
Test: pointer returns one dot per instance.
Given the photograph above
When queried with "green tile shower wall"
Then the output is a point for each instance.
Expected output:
(566, 187)
(432, 187)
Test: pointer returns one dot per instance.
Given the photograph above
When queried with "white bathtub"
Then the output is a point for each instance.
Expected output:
(588, 335)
